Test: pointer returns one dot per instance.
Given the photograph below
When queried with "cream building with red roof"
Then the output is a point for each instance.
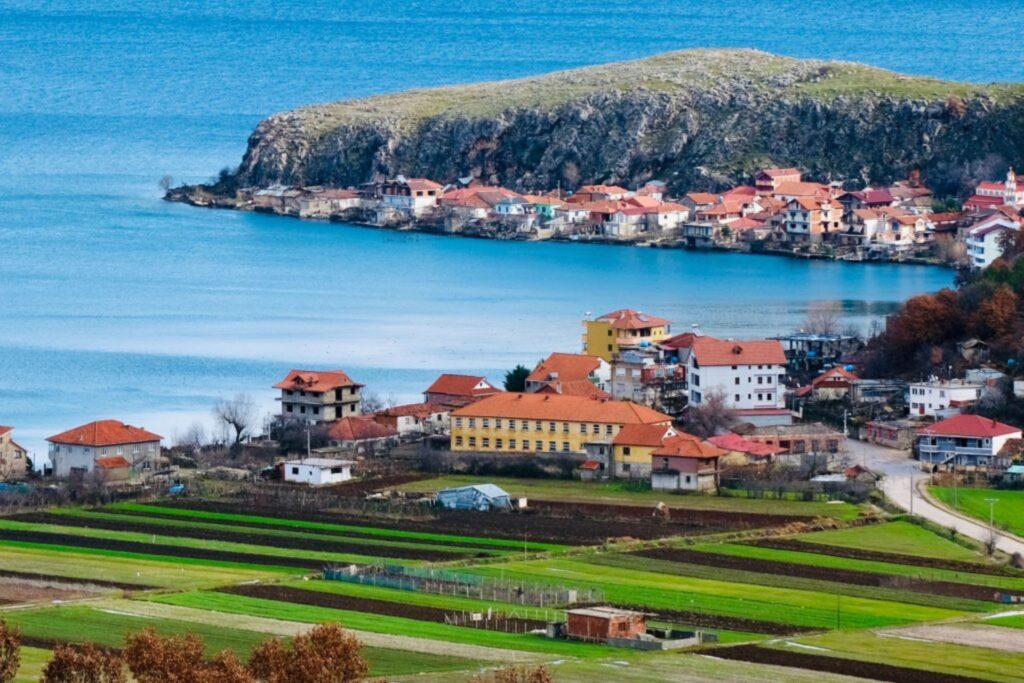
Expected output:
(748, 373)
(76, 451)
(570, 373)
(13, 458)
(608, 335)
(319, 395)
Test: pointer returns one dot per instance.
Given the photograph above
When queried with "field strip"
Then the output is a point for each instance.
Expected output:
(282, 628)
(974, 635)
(1000, 615)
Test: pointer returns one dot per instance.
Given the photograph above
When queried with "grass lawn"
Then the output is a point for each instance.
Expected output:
(87, 564)
(1008, 512)
(634, 586)
(831, 561)
(897, 537)
(33, 659)
(1011, 621)
(498, 543)
(623, 493)
(948, 658)
(375, 623)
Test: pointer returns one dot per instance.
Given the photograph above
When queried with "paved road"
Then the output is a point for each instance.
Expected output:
(903, 476)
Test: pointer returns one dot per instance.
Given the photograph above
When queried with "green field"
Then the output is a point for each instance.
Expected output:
(625, 493)
(899, 537)
(1008, 512)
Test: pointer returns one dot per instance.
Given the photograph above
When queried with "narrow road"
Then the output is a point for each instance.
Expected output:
(905, 485)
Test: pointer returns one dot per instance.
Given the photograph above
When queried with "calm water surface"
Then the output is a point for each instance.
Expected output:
(115, 304)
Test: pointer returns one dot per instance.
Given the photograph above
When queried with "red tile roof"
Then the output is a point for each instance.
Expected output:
(415, 409)
(112, 462)
(702, 197)
(469, 386)
(316, 381)
(557, 407)
(643, 435)
(745, 223)
(837, 375)
(774, 172)
(628, 319)
(687, 446)
(969, 426)
(795, 189)
(735, 442)
(360, 428)
(578, 387)
(590, 465)
(4, 430)
(104, 433)
(422, 184)
(711, 351)
(565, 366)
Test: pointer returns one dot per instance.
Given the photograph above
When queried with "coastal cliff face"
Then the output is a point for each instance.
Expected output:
(698, 119)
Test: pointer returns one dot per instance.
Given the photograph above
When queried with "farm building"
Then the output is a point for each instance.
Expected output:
(481, 497)
(318, 471)
(598, 624)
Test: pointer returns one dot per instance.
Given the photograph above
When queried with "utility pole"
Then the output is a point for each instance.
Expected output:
(911, 493)
(992, 515)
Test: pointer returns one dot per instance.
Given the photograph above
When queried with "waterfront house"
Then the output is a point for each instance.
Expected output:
(318, 395)
(455, 391)
(413, 419)
(697, 202)
(789, 191)
(868, 198)
(665, 216)
(809, 218)
(411, 197)
(970, 441)
(748, 374)
(984, 240)
(599, 193)
(769, 180)
(13, 458)
(544, 423)
(317, 471)
(571, 374)
(75, 451)
(942, 398)
(622, 330)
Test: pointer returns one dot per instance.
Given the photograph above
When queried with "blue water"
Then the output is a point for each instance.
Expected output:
(115, 304)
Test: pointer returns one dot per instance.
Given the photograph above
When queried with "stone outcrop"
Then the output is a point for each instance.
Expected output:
(698, 119)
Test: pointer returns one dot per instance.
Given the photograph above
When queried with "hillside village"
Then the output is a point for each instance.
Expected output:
(781, 211)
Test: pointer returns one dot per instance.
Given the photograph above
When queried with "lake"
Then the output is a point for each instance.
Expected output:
(116, 304)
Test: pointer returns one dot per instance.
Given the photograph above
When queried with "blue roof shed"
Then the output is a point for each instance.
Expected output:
(475, 497)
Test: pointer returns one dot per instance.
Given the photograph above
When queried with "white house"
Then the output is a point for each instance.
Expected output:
(75, 451)
(749, 374)
(318, 471)
(410, 196)
(984, 240)
(942, 398)
(964, 440)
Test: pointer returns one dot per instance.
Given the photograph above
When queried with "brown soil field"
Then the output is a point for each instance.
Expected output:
(848, 576)
(161, 550)
(73, 581)
(567, 524)
(356, 604)
(14, 592)
(878, 556)
(835, 665)
(274, 541)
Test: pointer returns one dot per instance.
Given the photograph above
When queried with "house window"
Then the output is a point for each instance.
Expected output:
(583, 429)
(538, 425)
(608, 429)
(551, 426)
(497, 423)
(458, 441)
(625, 467)
(565, 446)
(295, 470)
(552, 446)
(539, 446)
(625, 450)
(526, 445)
(526, 426)
(737, 380)
(302, 409)
(472, 442)
(565, 427)
(486, 442)
(512, 443)
(316, 411)
(737, 398)
(485, 423)
(458, 422)
(289, 407)
(472, 423)
(597, 429)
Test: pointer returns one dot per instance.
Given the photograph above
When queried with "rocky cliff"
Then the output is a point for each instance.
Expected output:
(697, 119)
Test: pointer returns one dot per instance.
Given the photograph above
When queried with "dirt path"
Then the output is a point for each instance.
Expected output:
(973, 635)
(282, 628)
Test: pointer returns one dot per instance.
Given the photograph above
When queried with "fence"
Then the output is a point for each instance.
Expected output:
(459, 584)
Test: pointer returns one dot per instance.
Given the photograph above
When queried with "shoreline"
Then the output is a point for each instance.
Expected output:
(183, 195)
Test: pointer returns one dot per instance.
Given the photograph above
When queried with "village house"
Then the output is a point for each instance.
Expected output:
(622, 330)
(571, 374)
(868, 198)
(833, 384)
(317, 471)
(665, 216)
(699, 202)
(988, 195)
(789, 191)
(685, 464)
(76, 451)
(625, 222)
(747, 374)
(741, 452)
(984, 239)
(544, 423)
(454, 391)
(631, 449)
(411, 197)
(657, 380)
(899, 434)
(968, 441)
(599, 624)
(802, 442)
(318, 396)
(599, 193)
(359, 433)
(809, 219)
(942, 398)
(769, 180)
(13, 458)
(414, 419)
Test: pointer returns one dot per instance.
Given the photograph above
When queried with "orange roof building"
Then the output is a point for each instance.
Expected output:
(748, 374)
(454, 391)
(76, 451)
(352, 431)
(544, 423)
(13, 458)
(608, 335)
(319, 395)
(571, 374)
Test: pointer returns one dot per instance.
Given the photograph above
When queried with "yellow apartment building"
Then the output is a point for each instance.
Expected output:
(624, 329)
(544, 423)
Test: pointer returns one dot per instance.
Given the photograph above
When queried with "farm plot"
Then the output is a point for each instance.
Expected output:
(654, 591)
(900, 538)
(1008, 512)
(833, 574)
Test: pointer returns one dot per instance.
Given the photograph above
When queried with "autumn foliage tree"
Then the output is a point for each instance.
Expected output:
(324, 654)
(84, 663)
(515, 674)
(995, 317)
(10, 652)
(153, 658)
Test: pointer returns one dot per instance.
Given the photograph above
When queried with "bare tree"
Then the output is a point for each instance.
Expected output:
(709, 417)
(371, 403)
(236, 414)
(193, 438)
(822, 318)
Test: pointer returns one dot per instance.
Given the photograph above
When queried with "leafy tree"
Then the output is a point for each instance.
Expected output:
(10, 652)
(515, 379)
(84, 663)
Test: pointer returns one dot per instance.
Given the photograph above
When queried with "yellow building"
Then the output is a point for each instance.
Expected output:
(632, 448)
(611, 333)
(544, 423)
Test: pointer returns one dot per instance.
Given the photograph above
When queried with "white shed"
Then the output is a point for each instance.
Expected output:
(318, 471)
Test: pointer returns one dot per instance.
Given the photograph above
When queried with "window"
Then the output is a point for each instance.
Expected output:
(458, 441)
(737, 380)
(625, 450)
(472, 423)
(696, 380)
(295, 470)
(526, 445)
(625, 467)
(538, 425)
(583, 428)
(511, 443)
(302, 409)
(552, 446)
(608, 429)
(565, 446)
(737, 398)
(551, 426)
(472, 442)
(497, 423)
(539, 446)
(486, 442)
(597, 429)
(565, 427)
(316, 411)
(760, 380)
(289, 407)
(458, 422)
(526, 426)
(485, 423)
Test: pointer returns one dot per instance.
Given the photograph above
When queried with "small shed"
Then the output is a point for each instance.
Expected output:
(1014, 473)
(598, 624)
(481, 497)
(318, 471)
(113, 470)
